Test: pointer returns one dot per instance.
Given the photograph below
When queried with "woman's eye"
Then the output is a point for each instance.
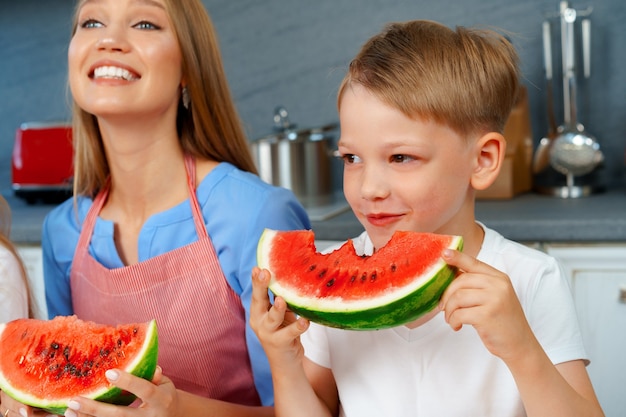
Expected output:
(90, 23)
(146, 25)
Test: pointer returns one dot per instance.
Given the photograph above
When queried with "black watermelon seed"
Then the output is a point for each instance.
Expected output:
(364, 277)
(312, 267)
(393, 267)
(322, 273)
(353, 278)
(330, 283)
(373, 277)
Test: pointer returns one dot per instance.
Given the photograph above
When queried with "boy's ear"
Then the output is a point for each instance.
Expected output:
(490, 152)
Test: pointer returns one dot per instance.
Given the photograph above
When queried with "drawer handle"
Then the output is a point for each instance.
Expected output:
(622, 295)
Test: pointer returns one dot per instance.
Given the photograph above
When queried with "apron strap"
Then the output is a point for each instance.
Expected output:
(92, 215)
(198, 219)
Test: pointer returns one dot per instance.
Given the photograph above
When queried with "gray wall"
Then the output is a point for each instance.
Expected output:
(294, 53)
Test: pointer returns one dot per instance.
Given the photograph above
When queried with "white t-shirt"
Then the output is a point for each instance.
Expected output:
(13, 292)
(434, 371)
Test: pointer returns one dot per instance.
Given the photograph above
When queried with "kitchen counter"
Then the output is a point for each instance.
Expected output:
(529, 217)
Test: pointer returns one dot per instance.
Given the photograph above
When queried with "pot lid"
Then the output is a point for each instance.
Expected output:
(284, 129)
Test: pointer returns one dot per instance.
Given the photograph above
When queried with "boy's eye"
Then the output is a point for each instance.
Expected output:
(349, 158)
(399, 158)
(146, 25)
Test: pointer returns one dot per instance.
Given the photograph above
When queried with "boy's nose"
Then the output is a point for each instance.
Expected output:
(374, 185)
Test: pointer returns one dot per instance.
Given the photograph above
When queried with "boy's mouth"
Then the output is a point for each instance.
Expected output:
(382, 219)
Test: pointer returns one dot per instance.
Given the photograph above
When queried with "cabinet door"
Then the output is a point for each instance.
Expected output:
(598, 279)
(31, 256)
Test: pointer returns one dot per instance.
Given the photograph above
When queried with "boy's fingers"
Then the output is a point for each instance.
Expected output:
(276, 314)
(465, 262)
(260, 298)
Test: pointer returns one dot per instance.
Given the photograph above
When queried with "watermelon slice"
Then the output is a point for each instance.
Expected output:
(46, 363)
(397, 284)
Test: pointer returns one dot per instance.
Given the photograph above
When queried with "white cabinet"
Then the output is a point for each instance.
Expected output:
(31, 255)
(598, 277)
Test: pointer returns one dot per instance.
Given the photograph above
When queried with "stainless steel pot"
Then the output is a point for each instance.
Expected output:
(300, 160)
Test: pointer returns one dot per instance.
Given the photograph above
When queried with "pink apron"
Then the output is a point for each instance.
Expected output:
(200, 319)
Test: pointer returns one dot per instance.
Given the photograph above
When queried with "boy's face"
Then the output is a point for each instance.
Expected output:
(402, 173)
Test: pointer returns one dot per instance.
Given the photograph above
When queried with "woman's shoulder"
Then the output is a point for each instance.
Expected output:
(66, 218)
(236, 186)
(243, 196)
(226, 174)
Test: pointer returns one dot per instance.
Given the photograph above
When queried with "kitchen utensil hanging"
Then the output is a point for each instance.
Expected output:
(541, 159)
(572, 151)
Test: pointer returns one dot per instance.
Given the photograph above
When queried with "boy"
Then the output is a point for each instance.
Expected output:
(421, 111)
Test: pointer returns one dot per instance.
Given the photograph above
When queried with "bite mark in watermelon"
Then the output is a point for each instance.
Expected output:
(45, 363)
(397, 284)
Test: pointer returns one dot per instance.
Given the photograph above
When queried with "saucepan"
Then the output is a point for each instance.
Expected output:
(301, 160)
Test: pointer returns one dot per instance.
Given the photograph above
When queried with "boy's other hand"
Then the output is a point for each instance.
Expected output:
(484, 298)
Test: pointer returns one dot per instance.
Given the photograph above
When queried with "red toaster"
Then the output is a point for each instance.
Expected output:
(41, 165)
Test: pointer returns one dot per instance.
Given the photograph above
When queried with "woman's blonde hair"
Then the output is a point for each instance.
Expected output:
(467, 79)
(210, 128)
(5, 233)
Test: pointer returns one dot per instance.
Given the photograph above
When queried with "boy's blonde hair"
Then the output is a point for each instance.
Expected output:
(467, 79)
(210, 128)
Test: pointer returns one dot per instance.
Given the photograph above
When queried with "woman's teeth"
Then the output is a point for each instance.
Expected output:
(113, 72)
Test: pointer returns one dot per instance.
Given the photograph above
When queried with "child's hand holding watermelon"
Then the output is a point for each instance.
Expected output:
(483, 297)
(278, 328)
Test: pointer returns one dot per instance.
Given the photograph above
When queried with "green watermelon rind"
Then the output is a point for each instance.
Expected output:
(396, 313)
(390, 310)
(144, 366)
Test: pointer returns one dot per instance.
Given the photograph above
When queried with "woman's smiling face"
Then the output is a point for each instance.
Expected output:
(124, 58)
(402, 173)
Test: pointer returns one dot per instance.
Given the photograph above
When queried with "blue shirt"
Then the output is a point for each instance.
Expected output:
(236, 207)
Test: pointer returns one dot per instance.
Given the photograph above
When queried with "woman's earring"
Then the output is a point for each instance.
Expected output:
(185, 97)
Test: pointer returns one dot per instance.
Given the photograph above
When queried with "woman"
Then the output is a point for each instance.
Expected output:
(168, 209)
(14, 300)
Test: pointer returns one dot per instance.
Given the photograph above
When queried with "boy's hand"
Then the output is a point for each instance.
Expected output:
(277, 328)
(484, 297)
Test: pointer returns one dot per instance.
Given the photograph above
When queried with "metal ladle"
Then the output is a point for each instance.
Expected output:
(574, 151)
(542, 155)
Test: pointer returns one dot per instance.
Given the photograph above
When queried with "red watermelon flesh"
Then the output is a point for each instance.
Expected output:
(46, 363)
(397, 284)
